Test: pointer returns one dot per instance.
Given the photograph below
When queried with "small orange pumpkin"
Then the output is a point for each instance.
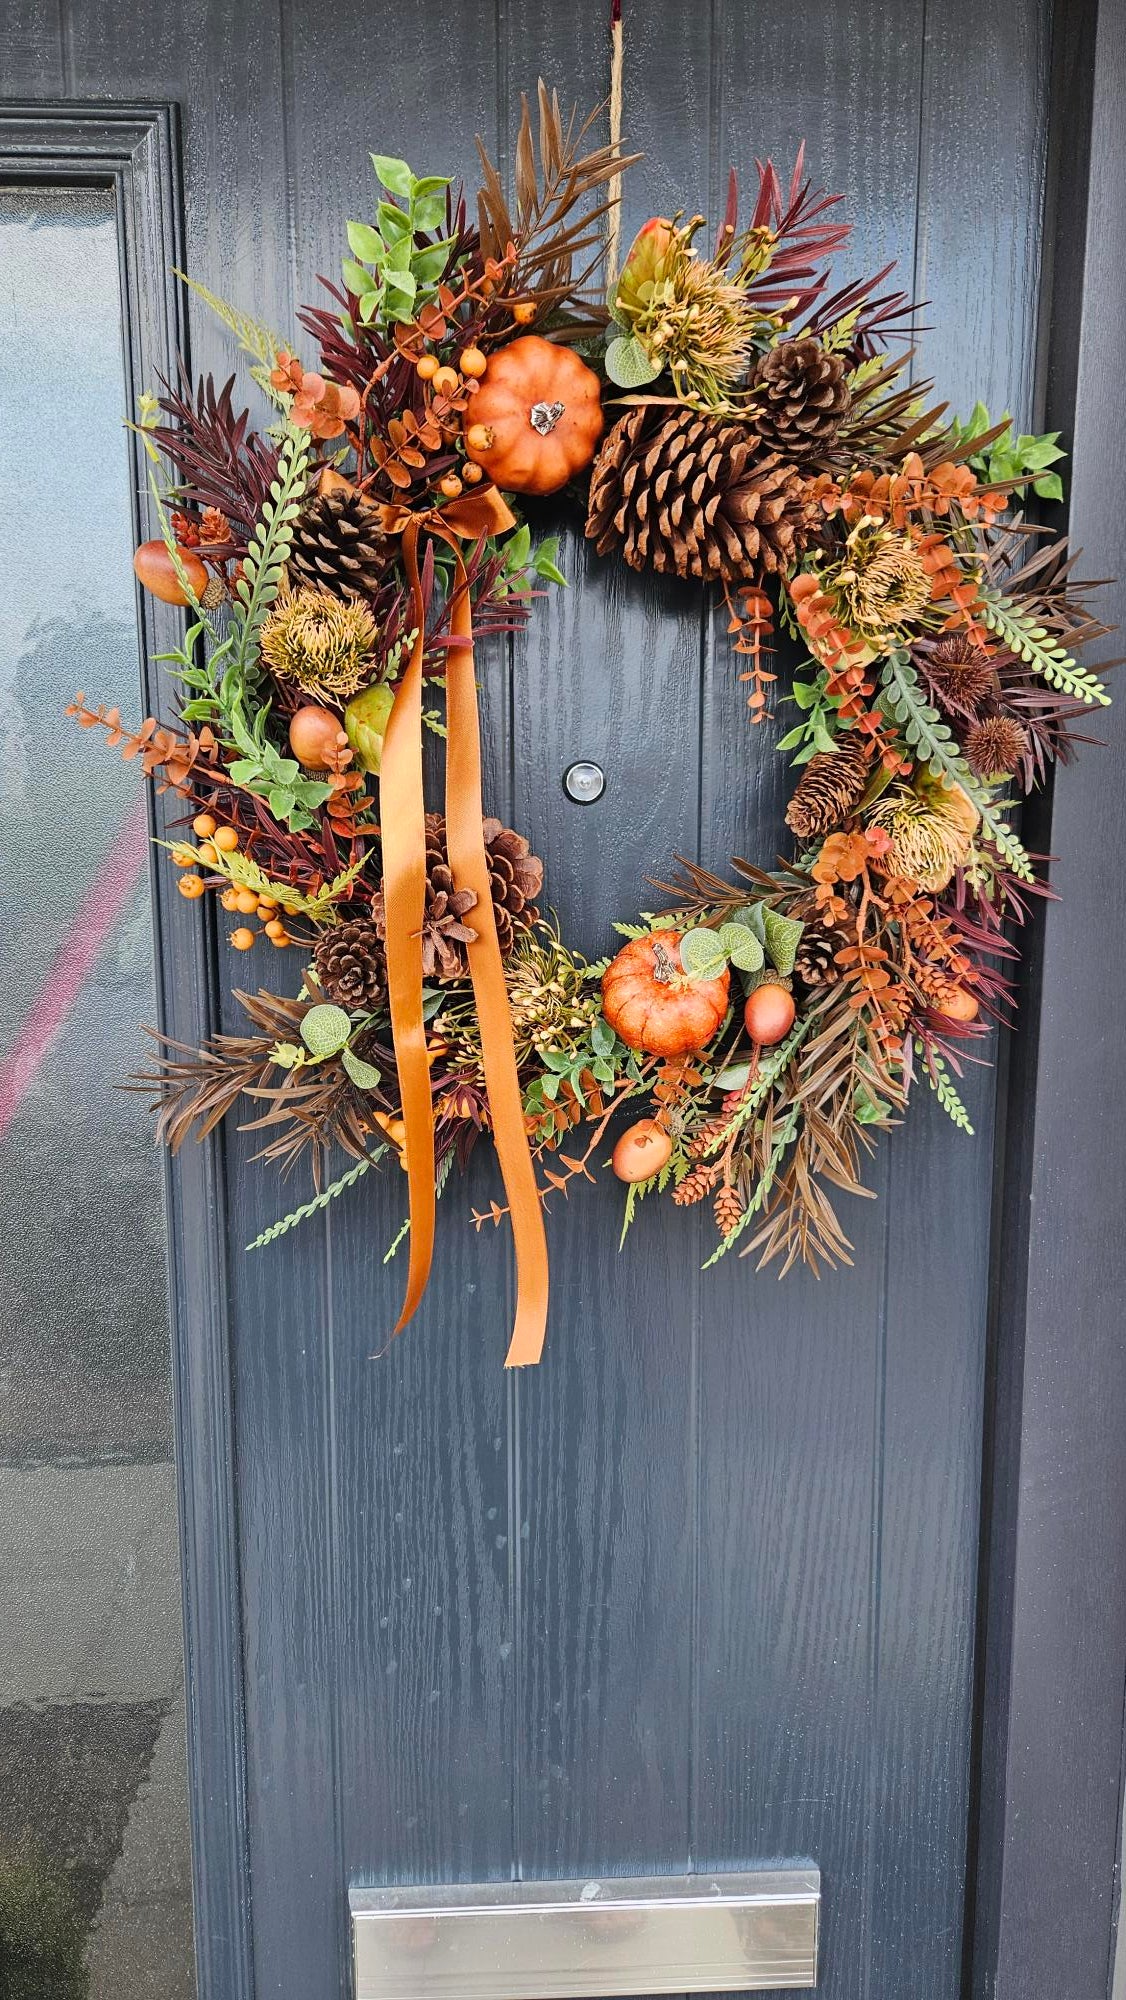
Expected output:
(536, 418)
(653, 1005)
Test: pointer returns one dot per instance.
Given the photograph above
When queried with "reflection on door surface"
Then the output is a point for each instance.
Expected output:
(95, 1880)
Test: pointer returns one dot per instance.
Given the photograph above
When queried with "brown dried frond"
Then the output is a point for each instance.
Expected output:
(553, 227)
(310, 1111)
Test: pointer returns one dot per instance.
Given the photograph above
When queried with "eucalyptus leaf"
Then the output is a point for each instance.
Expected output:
(782, 936)
(364, 1075)
(325, 1029)
(733, 1077)
(627, 363)
(702, 954)
(743, 948)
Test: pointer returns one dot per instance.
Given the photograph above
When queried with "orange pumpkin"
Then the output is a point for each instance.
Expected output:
(536, 418)
(652, 1004)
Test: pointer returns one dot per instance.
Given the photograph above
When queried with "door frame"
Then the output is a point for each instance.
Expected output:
(1046, 1837)
(1050, 1716)
(135, 150)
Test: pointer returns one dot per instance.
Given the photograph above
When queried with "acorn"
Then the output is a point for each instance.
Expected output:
(959, 1004)
(641, 1151)
(365, 724)
(769, 1014)
(315, 737)
(155, 569)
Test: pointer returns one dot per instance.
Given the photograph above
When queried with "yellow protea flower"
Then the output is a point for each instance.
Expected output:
(322, 642)
(931, 828)
(880, 583)
(686, 312)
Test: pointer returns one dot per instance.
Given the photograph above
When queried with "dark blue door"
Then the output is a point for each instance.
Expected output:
(700, 1590)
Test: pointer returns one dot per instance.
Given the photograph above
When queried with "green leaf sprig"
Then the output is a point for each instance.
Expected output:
(1010, 459)
(396, 263)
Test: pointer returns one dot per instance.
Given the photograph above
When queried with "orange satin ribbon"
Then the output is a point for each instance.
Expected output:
(402, 819)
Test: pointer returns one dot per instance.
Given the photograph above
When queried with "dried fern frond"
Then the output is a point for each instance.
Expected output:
(554, 179)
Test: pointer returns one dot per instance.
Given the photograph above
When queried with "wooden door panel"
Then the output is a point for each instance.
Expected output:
(699, 1591)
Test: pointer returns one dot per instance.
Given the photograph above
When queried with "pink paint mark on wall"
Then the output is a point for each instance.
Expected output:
(90, 927)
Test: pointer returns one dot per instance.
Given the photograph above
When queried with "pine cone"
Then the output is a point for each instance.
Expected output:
(728, 1210)
(698, 1182)
(685, 494)
(802, 398)
(815, 962)
(515, 878)
(830, 786)
(350, 965)
(337, 543)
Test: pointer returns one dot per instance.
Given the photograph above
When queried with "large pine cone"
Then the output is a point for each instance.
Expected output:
(337, 543)
(687, 494)
(515, 878)
(350, 965)
(802, 398)
(831, 785)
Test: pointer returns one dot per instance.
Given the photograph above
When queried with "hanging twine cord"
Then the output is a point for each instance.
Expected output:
(614, 220)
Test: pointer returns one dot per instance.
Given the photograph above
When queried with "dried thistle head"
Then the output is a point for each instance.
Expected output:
(880, 584)
(997, 746)
(931, 831)
(686, 313)
(961, 675)
(323, 643)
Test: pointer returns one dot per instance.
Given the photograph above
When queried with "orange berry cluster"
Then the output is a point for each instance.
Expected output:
(215, 840)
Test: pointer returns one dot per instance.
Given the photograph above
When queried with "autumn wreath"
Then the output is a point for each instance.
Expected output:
(736, 419)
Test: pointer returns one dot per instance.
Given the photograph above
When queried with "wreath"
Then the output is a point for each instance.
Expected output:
(733, 417)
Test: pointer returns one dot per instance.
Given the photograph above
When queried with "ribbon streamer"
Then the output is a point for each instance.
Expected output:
(466, 847)
(403, 826)
(402, 818)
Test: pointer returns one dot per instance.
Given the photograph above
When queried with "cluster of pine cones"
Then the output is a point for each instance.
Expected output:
(350, 960)
(683, 491)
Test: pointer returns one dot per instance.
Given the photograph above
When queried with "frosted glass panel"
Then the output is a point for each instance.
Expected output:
(94, 1869)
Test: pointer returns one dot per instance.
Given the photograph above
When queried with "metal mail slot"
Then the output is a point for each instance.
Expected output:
(566, 1940)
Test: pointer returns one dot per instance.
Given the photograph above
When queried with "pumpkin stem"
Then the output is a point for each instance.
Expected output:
(544, 417)
(665, 967)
